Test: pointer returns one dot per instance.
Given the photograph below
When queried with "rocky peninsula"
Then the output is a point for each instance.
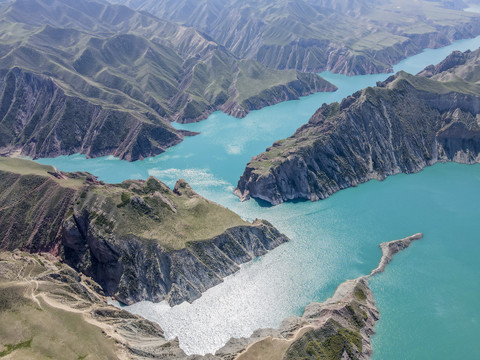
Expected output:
(401, 126)
(338, 328)
(139, 240)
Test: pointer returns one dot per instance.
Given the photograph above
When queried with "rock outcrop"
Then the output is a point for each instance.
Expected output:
(132, 269)
(139, 240)
(456, 58)
(404, 124)
(305, 84)
(389, 249)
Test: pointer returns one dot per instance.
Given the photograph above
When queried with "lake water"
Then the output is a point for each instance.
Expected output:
(428, 296)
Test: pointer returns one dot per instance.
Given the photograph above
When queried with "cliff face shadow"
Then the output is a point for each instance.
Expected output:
(262, 203)
(266, 204)
(297, 201)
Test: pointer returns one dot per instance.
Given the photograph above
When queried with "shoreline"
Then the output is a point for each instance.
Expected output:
(350, 310)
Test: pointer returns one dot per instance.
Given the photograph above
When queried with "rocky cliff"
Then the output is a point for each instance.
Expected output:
(321, 55)
(131, 269)
(304, 84)
(139, 240)
(404, 124)
(38, 118)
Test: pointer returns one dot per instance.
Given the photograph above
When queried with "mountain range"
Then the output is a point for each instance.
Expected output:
(344, 36)
(90, 77)
(99, 79)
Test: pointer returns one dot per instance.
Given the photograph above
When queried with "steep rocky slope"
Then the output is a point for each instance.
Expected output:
(89, 77)
(402, 125)
(40, 119)
(348, 36)
(139, 240)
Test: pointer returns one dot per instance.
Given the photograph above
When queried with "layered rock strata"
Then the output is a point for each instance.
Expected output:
(350, 36)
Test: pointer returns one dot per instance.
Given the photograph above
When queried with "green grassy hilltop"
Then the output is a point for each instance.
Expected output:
(33, 193)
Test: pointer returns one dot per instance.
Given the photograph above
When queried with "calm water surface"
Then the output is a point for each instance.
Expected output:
(429, 295)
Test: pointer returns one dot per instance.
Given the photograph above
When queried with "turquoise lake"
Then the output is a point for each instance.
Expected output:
(428, 296)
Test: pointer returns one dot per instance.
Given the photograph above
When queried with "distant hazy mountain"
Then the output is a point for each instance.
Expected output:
(90, 77)
(346, 36)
